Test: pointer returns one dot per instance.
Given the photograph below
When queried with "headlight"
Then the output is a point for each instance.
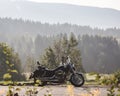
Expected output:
(73, 65)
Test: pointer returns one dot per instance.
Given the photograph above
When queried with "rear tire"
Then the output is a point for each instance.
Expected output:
(77, 79)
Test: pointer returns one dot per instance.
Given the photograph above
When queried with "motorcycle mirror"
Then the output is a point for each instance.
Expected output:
(38, 62)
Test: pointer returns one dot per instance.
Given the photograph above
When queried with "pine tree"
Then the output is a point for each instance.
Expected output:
(63, 47)
(49, 58)
(9, 63)
(74, 52)
(30, 64)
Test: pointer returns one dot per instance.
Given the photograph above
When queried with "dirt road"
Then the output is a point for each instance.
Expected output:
(57, 90)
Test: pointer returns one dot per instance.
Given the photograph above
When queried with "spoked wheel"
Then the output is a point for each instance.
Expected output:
(77, 79)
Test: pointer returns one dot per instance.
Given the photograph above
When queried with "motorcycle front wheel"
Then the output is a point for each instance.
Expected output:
(77, 79)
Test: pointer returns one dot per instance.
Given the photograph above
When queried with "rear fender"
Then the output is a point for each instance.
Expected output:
(31, 76)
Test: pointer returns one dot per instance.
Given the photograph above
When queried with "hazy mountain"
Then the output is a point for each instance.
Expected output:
(54, 13)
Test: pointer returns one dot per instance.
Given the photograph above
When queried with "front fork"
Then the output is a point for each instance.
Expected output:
(35, 80)
(72, 69)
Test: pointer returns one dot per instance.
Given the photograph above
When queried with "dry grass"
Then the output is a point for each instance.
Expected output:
(70, 90)
(2, 92)
(93, 92)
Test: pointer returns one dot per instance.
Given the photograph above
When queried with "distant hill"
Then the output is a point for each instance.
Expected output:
(62, 13)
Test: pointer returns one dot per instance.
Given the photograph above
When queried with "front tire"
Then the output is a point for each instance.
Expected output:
(77, 79)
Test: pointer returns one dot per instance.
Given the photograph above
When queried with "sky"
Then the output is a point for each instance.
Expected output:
(114, 4)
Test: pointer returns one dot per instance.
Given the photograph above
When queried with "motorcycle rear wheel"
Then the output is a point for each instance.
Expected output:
(77, 79)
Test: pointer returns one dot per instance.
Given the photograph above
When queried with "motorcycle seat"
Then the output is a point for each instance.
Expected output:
(53, 70)
(58, 68)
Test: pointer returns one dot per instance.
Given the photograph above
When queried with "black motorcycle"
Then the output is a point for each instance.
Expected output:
(59, 75)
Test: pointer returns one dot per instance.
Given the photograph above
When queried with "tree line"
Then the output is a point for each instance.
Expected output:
(97, 54)
(100, 54)
(31, 28)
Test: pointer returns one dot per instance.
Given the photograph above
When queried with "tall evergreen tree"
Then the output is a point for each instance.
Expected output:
(30, 64)
(49, 58)
(63, 47)
(74, 52)
(9, 63)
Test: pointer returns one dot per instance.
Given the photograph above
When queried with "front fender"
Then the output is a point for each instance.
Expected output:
(82, 74)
